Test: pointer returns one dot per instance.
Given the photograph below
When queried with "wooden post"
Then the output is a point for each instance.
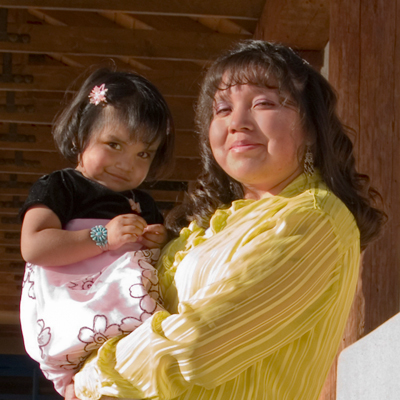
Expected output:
(364, 67)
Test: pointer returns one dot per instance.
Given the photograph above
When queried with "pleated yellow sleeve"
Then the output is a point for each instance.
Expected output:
(257, 306)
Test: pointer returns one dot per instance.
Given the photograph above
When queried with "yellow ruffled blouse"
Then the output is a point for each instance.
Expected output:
(257, 305)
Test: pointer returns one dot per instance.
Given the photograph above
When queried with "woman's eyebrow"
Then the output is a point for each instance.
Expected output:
(221, 95)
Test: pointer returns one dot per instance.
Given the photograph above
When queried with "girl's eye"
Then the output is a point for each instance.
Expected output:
(144, 154)
(115, 146)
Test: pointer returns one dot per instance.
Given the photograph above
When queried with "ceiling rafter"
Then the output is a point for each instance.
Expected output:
(135, 43)
(303, 25)
(172, 83)
(249, 10)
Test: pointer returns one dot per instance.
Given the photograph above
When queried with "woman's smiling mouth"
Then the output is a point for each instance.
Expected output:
(243, 145)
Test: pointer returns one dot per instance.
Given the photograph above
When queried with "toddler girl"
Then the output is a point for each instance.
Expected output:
(88, 235)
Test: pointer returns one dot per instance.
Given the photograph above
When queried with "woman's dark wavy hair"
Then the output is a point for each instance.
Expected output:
(136, 104)
(273, 65)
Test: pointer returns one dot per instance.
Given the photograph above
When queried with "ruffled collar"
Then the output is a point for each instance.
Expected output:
(194, 235)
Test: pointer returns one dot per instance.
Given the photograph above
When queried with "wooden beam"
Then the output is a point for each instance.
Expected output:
(160, 23)
(172, 83)
(9, 243)
(11, 303)
(10, 253)
(42, 112)
(10, 289)
(71, 18)
(364, 68)
(249, 10)
(10, 317)
(133, 43)
(7, 276)
(8, 226)
(12, 267)
(303, 24)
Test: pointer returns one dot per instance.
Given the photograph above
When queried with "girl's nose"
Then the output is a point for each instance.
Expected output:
(125, 163)
(240, 119)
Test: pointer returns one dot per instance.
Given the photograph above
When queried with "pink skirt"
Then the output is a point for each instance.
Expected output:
(68, 311)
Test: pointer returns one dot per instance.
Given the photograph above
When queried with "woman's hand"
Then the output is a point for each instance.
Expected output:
(154, 236)
(70, 392)
(126, 228)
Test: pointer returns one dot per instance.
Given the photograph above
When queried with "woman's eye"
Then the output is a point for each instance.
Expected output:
(264, 103)
(221, 110)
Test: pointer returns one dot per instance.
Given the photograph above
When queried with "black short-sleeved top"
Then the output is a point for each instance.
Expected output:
(70, 195)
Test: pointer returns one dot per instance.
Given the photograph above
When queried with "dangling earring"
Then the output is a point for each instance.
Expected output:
(309, 162)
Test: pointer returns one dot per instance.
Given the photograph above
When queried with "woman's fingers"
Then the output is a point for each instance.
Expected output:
(154, 236)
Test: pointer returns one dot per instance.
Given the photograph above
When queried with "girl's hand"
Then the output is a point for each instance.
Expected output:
(154, 236)
(126, 228)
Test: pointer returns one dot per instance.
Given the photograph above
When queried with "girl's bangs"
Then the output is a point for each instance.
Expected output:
(141, 126)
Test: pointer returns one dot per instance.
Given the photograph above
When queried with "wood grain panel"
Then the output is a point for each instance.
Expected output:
(222, 8)
(365, 69)
(38, 111)
(303, 24)
(101, 42)
(63, 78)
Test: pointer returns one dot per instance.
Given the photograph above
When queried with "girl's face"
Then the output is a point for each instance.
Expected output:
(255, 139)
(112, 159)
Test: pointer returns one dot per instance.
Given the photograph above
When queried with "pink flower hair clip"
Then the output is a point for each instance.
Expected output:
(98, 95)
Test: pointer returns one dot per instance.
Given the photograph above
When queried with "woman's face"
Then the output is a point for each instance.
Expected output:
(255, 139)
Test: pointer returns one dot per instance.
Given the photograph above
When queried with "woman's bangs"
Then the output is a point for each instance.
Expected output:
(247, 73)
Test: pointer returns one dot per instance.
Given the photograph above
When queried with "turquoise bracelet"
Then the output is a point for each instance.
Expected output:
(99, 235)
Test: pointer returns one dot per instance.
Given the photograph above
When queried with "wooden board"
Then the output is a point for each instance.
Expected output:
(302, 24)
(210, 8)
(365, 70)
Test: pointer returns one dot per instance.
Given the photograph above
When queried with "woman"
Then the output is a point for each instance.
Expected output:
(259, 286)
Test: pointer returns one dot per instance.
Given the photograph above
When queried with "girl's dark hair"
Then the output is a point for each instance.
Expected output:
(136, 104)
(273, 65)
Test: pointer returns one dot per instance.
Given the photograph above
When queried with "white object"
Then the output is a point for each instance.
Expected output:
(370, 368)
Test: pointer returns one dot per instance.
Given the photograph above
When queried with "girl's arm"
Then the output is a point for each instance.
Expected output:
(45, 243)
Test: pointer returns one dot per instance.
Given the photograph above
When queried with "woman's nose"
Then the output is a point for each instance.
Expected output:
(240, 119)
